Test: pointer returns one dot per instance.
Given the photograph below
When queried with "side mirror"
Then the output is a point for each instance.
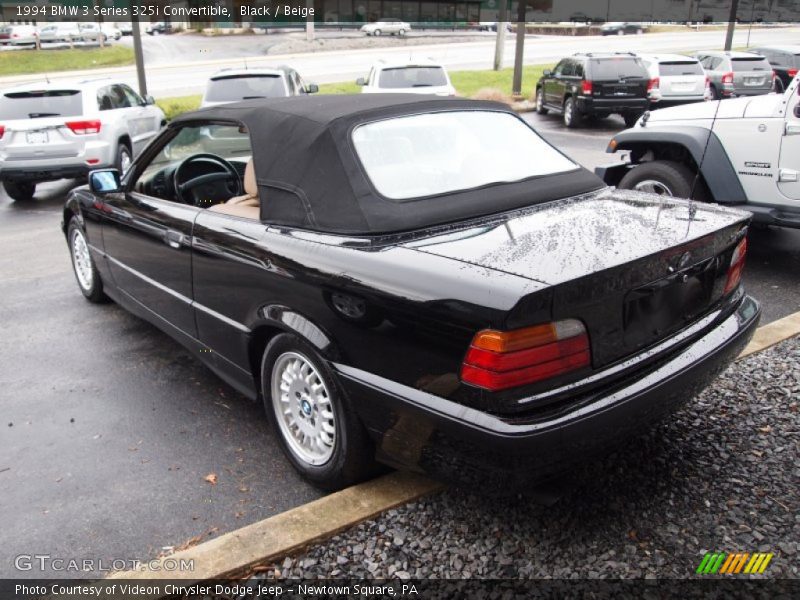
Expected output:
(104, 181)
(547, 73)
(312, 88)
(361, 81)
(149, 100)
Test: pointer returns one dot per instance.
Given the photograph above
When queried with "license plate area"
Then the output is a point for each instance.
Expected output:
(37, 137)
(657, 309)
(753, 80)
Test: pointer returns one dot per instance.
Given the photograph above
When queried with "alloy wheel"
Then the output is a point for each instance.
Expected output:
(653, 186)
(82, 260)
(303, 408)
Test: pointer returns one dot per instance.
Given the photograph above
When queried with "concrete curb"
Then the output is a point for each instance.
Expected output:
(285, 533)
(289, 531)
(772, 333)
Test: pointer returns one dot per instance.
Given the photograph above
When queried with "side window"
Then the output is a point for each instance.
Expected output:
(134, 99)
(118, 97)
(714, 62)
(559, 70)
(569, 69)
(299, 83)
(231, 142)
(104, 101)
(579, 70)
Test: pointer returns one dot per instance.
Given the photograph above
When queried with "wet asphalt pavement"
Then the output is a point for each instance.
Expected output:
(109, 427)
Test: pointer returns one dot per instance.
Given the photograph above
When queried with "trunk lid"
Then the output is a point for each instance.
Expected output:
(633, 267)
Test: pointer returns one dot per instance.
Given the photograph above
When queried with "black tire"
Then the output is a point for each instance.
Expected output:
(123, 154)
(352, 456)
(401, 33)
(677, 179)
(540, 102)
(377, 33)
(715, 93)
(631, 118)
(20, 191)
(572, 117)
(93, 289)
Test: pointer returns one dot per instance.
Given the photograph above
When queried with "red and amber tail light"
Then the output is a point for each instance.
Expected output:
(498, 360)
(736, 266)
(84, 127)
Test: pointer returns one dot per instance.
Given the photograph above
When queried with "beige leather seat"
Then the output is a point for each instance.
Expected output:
(246, 205)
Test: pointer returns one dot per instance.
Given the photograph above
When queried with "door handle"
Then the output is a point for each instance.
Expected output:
(173, 239)
(792, 129)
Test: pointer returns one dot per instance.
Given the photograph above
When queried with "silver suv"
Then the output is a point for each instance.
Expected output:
(64, 130)
(736, 73)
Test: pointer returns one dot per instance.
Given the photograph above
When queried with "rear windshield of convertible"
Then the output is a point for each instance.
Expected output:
(437, 153)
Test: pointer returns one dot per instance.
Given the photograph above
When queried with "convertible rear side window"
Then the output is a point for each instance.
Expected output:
(436, 153)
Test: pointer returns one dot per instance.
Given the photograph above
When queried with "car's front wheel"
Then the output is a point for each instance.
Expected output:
(124, 158)
(316, 425)
(20, 191)
(665, 178)
(540, 102)
(88, 278)
(572, 118)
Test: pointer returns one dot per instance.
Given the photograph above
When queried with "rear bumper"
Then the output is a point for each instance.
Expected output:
(417, 430)
(611, 105)
(37, 174)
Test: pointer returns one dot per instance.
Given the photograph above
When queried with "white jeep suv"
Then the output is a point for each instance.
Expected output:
(743, 152)
(63, 130)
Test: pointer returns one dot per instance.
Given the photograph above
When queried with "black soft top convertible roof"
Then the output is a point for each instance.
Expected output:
(309, 175)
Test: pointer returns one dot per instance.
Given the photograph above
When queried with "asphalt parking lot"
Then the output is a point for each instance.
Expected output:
(111, 428)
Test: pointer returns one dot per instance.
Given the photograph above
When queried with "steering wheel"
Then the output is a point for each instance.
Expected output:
(183, 189)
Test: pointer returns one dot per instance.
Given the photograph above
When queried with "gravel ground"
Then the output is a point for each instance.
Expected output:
(723, 475)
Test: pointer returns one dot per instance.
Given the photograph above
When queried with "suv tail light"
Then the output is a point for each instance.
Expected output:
(84, 127)
(792, 72)
(727, 79)
(586, 87)
(2, 131)
(653, 84)
(498, 360)
(736, 266)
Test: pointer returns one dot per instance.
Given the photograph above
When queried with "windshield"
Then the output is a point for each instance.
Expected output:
(437, 153)
(411, 77)
(30, 105)
(750, 64)
(619, 67)
(680, 68)
(243, 87)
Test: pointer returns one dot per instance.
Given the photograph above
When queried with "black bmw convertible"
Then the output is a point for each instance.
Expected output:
(423, 283)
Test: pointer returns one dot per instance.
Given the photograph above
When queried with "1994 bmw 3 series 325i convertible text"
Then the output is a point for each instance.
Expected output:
(424, 283)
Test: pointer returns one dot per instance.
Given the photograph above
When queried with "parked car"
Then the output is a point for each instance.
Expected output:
(784, 60)
(125, 27)
(408, 77)
(157, 28)
(491, 26)
(594, 85)
(64, 129)
(60, 32)
(424, 282)
(747, 149)
(391, 26)
(18, 35)
(111, 31)
(622, 28)
(232, 85)
(91, 32)
(736, 73)
(675, 79)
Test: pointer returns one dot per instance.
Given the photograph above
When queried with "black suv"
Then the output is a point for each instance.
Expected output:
(785, 61)
(595, 85)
